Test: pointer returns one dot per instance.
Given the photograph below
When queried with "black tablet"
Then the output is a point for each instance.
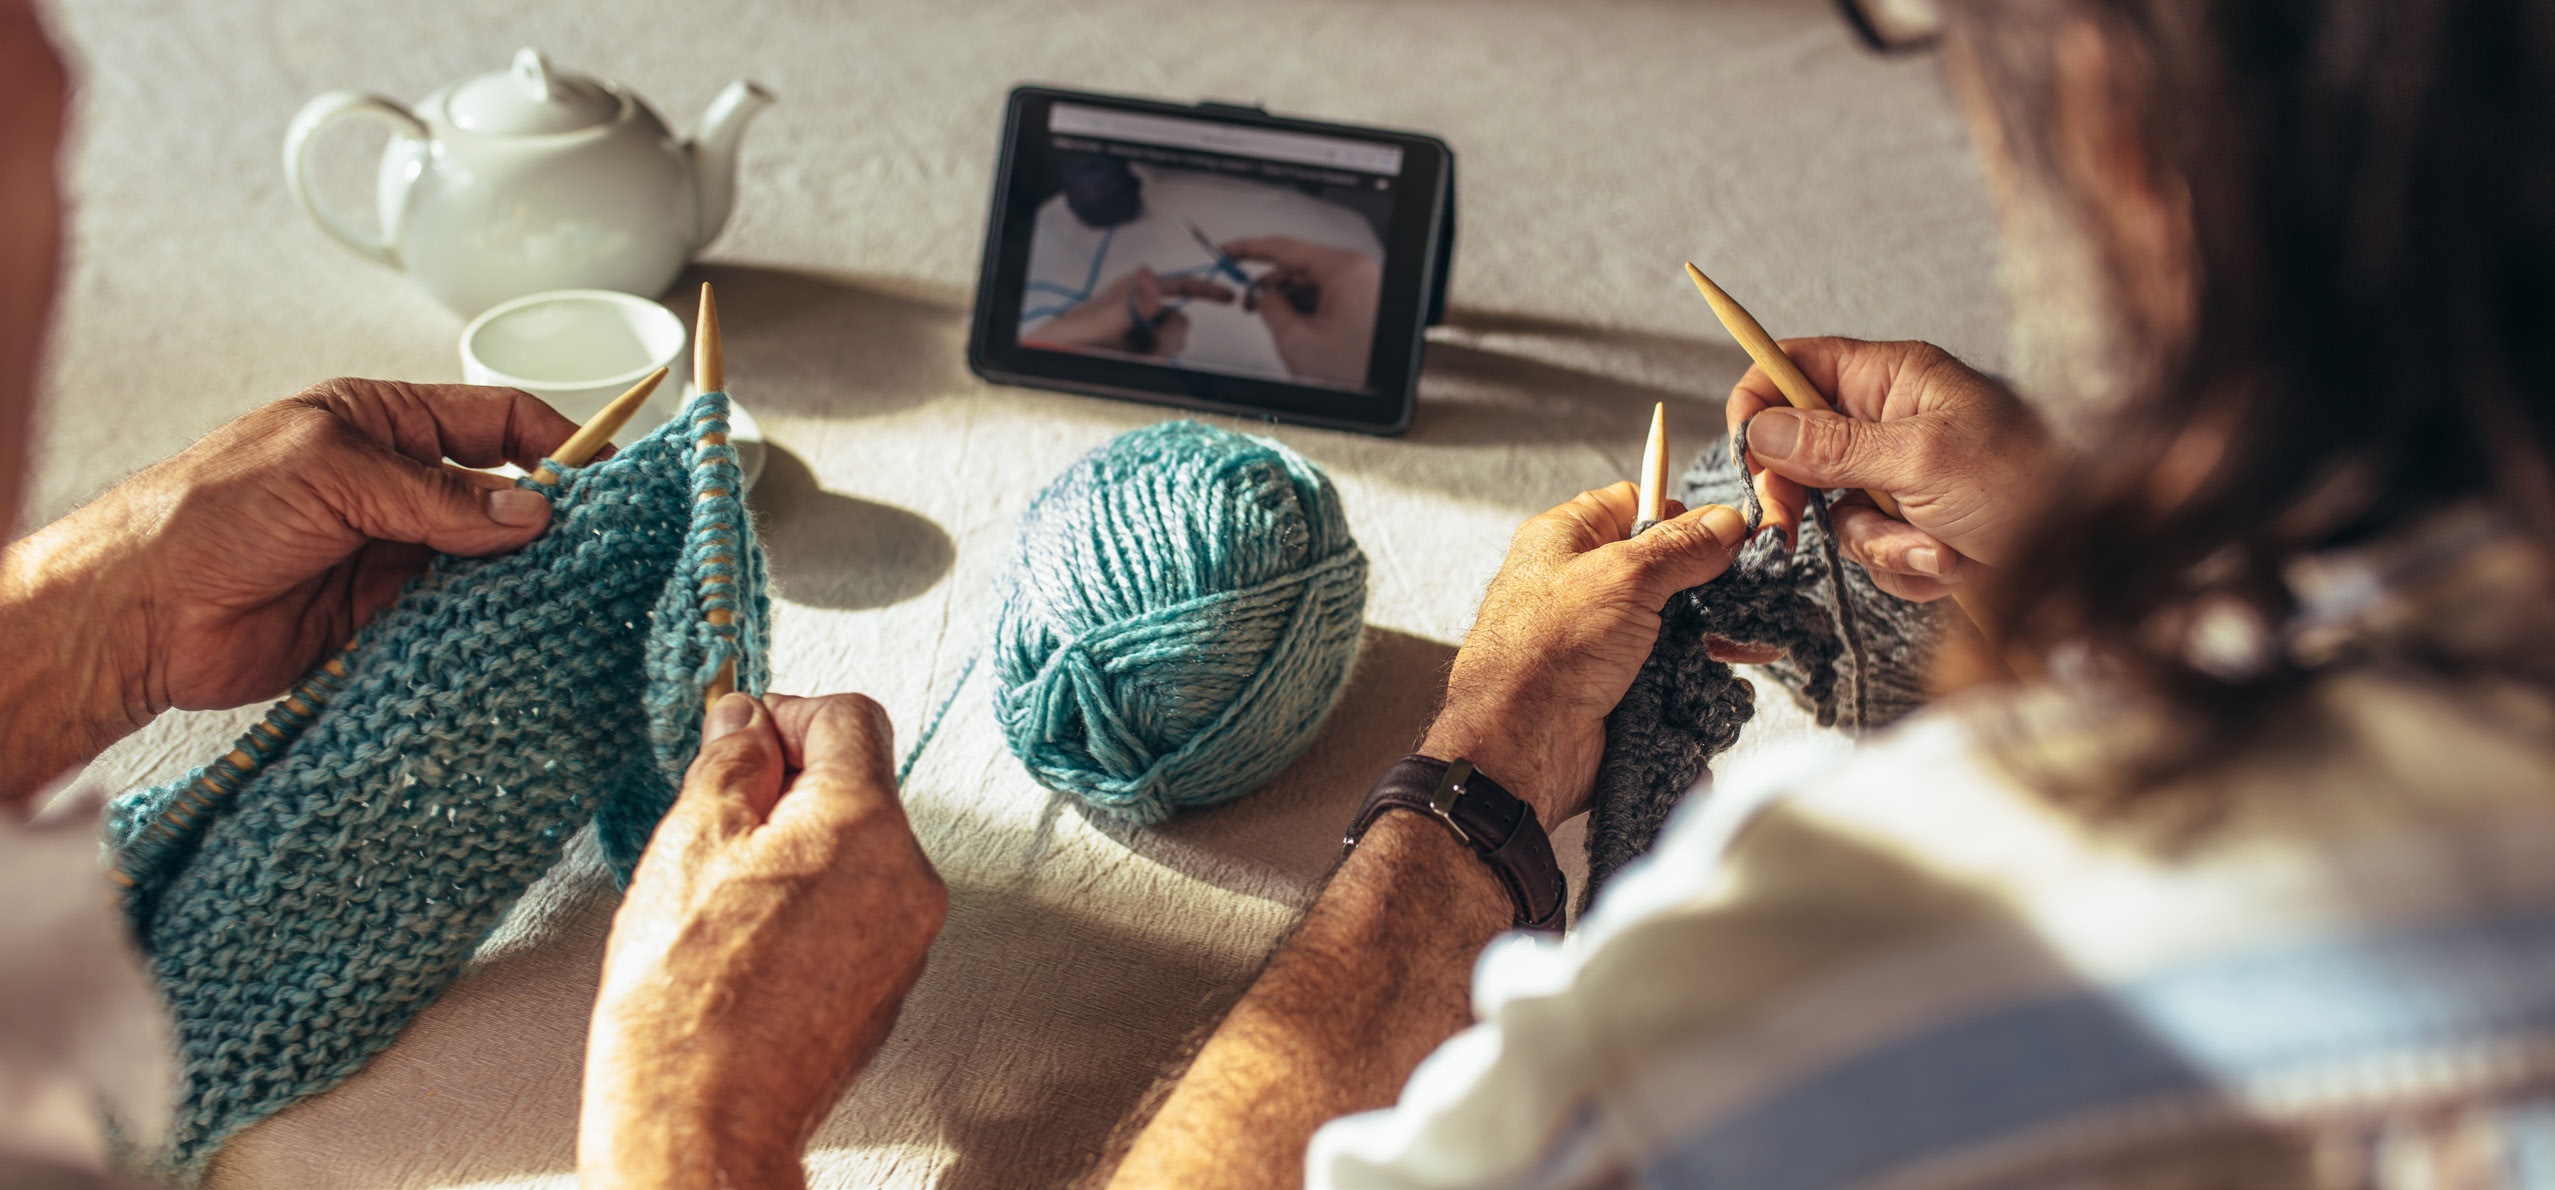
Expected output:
(1213, 256)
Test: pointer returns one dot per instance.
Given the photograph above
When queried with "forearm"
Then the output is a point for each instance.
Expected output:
(1376, 976)
(669, 1104)
(664, 1138)
(666, 1105)
(63, 692)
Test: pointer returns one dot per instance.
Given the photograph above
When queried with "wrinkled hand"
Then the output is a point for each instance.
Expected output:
(218, 577)
(770, 934)
(1561, 635)
(1963, 456)
(1319, 304)
(1108, 319)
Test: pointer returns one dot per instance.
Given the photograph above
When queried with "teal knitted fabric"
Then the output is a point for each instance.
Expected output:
(302, 899)
(1184, 609)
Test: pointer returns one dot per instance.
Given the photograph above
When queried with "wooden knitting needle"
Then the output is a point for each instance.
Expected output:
(709, 367)
(1762, 348)
(1796, 388)
(600, 428)
(1654, 471)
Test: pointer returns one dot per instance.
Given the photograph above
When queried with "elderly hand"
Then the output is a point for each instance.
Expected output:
(1961, 453)
(769, 936)
(1562, 633)
(219, 576)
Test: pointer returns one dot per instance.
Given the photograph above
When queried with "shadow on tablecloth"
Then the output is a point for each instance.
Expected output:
(842, 552)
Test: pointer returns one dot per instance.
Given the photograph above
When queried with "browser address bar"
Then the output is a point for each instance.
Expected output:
(1298, 147)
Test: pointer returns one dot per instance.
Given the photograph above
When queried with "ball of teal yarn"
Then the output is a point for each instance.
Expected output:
(1182, 613)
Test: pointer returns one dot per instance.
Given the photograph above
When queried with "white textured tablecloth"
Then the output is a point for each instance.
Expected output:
(1601, 142)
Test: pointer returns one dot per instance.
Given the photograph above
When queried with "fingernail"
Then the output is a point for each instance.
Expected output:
(1725, 524)
(1774, 434)
(729, 714)
(517, 507)
(1927, 560)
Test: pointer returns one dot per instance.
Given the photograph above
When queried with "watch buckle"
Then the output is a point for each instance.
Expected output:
(1442, 802)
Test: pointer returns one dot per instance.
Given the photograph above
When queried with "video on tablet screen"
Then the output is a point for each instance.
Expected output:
(1214, 247)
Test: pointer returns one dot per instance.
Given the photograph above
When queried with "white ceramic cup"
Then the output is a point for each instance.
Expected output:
(579, 348)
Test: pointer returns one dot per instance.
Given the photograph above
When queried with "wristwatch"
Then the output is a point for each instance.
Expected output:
(1490, 820)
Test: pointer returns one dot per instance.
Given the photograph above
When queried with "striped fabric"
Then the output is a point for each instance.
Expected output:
(2329, 962)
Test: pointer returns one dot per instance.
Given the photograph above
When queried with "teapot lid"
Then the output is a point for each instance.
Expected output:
(529, 99)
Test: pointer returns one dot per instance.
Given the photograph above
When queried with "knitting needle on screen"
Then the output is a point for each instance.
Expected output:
(709, 368)
(1654, 472)
(1223, 263)
(599, 429)
(1797, 389)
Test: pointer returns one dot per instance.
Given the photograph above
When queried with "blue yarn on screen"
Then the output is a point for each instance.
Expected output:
(300, 919)
(1182, 612)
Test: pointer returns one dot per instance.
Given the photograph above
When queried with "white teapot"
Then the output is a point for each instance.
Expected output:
(532, 179)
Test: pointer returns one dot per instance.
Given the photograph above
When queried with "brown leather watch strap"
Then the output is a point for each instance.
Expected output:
(1490, 820)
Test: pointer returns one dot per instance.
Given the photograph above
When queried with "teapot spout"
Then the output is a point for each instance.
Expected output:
(713, 152)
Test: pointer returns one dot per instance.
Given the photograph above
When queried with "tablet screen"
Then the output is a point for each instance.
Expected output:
(1207, 246)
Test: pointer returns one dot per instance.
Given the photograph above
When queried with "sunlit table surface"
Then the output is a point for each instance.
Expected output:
(1601, 143)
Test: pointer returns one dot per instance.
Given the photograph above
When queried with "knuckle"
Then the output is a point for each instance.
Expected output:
(301, 423)
(863, 723)
(1928, 450)
(1827, 443)
(1874, 555)
(1627, 582)
(327, 396)
(1678, 540)
(725, 764)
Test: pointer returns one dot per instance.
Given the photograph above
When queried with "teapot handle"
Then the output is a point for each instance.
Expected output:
(297, 140)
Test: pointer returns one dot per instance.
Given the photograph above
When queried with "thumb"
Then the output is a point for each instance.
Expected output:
(386, 495)
(1685, 551)
(736, 778)
(1829, 450)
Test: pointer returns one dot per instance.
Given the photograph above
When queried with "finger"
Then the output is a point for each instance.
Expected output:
(735, 780)
(1724, 649)
(1286, 252)
(846, 751)
(473, 425)
(1827, 450)
(383, 494)
(1580, 524)
(1909, 587)
(1754, 394)
(1881, 542)
(1171, 335)
(1196, 287)
(1781, 503)
(1877, 381)
(1688, 551)
(1858, 378)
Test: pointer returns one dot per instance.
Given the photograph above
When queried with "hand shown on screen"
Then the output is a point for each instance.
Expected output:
(1130, 314)
(1319, 303)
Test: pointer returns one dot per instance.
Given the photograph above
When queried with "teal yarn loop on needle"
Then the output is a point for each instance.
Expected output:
(1183, 610)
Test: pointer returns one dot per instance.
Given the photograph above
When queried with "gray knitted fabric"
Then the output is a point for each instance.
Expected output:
(1856, 660)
